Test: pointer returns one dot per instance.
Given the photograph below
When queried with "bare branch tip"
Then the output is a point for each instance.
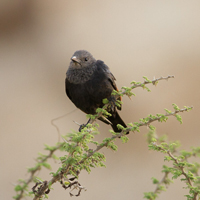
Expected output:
(65, 140)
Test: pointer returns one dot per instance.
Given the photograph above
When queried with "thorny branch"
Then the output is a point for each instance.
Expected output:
(65, 171)
(57, 178)
(179, 166)
(161, 182)
(37, 169)
(154, 81)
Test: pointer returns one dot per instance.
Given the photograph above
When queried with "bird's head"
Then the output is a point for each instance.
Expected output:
(81, 59)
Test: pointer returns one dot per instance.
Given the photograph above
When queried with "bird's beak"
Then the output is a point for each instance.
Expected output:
(75, 59)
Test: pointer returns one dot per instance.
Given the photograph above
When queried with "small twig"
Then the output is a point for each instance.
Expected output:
(37, 169)
(57, 118)
(179, 166)
(161, 182)
(154, 81)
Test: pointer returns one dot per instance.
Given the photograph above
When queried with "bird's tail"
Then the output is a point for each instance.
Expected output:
(116, 119)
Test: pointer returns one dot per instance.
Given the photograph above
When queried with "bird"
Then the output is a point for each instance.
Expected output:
(89, 81)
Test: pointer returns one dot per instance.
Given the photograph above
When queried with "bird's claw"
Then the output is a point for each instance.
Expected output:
(112, 105)
(81, 127)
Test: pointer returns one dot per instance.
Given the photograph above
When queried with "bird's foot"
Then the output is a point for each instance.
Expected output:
(112, 104)
(83, 125)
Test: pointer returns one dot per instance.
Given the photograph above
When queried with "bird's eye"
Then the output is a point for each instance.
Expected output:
(86, 59)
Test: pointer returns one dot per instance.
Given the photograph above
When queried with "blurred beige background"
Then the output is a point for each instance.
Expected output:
(135, 39)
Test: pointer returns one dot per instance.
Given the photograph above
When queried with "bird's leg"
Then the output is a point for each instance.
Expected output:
(83, 125)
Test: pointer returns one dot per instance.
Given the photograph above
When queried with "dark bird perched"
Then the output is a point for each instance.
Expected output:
(88, 82)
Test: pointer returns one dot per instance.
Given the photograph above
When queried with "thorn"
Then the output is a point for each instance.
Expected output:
(106, 119)
(77, 123)
(39, 180)
(65, 140)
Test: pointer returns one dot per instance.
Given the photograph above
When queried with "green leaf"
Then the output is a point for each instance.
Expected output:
(112, 146)
(147, 80)
(46, 165)
(175, 107)
(50, 148)
(168, 158)
(150, 195)
(18, 188)
(46, 196)
(179, 118)
(120, 127)
(124, 139)
(151, 127)
(168, 111)
(176, 173)
(155, 181)
(105, 101)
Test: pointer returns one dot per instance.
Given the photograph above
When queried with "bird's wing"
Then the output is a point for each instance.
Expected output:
(110, 76)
